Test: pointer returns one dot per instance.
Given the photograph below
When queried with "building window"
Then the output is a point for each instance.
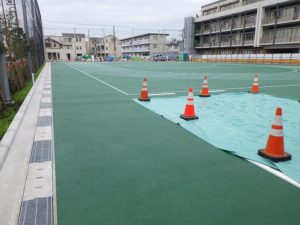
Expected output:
(246, 2)
(54, 45)
(47, 45)
(229, 6)
(154, 45)
(155, 37)
(210, 11)
(106, 48)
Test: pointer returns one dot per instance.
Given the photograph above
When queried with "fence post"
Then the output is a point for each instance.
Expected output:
(3, 74)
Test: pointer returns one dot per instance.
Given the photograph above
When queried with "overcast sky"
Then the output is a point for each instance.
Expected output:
(142, 15)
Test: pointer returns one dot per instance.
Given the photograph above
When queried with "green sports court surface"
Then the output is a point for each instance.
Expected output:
(118, 163)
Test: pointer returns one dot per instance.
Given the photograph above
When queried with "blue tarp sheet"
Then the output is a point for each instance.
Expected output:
(238, 123)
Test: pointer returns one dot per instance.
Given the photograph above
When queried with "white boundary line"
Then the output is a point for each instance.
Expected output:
(162, 94)
(103, 82)
(233, 88)
(276, 173)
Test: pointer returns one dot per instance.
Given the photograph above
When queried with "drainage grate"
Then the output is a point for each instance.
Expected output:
(37, 211)
(41, 151)
(44, 121)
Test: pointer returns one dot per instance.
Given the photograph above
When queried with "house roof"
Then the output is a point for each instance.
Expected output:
(48, 38)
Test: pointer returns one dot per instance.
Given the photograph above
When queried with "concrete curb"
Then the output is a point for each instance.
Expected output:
(10, 134)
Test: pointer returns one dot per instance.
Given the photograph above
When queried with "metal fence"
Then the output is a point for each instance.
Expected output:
(250, 58)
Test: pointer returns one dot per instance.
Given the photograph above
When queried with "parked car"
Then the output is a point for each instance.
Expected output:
(159, 57)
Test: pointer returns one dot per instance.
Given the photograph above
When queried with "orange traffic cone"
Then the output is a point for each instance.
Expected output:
(275, 145)
(255, 88)
(189, 112)
(204, 92)
(144, 92)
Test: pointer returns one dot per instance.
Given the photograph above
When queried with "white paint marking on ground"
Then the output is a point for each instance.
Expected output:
(270, 86)
(276, 173)
(241, 88)
(103, 82)
(162, 94)
(174, 92)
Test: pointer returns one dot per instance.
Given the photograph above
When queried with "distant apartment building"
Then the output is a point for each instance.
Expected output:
(144, 45)
(174, 46)
(65, 47)
(105, 46)
(245, 26)
(70, 46)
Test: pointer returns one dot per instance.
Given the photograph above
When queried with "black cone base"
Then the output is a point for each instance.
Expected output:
(144, 100)
(263, 154)
(204, 96)
(188, 118)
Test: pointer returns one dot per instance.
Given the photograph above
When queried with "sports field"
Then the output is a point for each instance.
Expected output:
(118, 163)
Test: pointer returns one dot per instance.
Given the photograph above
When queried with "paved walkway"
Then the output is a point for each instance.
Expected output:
(26, 160)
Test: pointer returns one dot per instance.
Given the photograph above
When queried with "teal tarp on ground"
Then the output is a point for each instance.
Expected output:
(239, 123)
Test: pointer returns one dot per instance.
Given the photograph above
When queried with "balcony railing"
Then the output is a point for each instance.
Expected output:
(282, 15)
(285, 35)
(215, 27)
(248, 42)
(223, 43)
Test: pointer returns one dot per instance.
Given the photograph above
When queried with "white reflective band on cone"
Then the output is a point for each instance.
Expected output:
(277, 121)
(190, 102)
(276, 133)
(190, 95)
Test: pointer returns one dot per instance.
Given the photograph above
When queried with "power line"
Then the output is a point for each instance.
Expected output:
(107, 25)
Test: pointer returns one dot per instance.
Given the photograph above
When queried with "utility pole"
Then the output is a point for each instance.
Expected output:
(27, 36)
(114, 34)
(89, 41)
(132, 30)
(3, 73)
(164, 46)
(104, 55)
(75, 46)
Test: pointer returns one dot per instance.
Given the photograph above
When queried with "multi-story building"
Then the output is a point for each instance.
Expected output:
(246, 26)
(174, 46)
(105, 46)
(66, 47)
(71, 46)
(144, 45)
